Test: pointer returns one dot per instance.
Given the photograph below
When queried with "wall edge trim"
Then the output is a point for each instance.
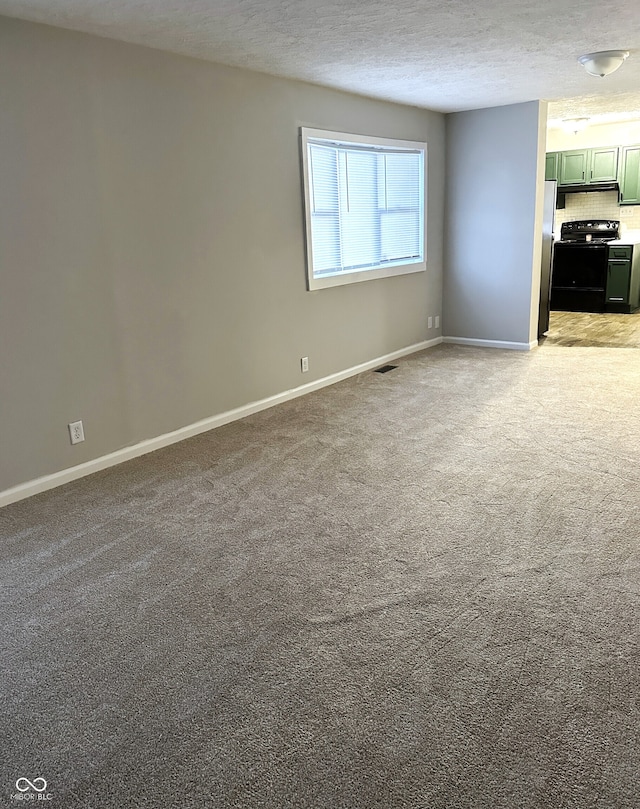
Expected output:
(51, 481)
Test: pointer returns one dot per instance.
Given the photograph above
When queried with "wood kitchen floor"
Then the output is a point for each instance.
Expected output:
(592, 330)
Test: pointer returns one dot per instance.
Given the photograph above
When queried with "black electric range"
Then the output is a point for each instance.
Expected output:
(580, 260)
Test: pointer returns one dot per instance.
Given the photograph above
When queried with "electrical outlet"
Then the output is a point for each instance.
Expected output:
(626, 210)
(76, 431)
(304, 364)
(437, 321)
(430, 323)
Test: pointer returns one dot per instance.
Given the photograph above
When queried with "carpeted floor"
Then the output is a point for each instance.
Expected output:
(415, 590)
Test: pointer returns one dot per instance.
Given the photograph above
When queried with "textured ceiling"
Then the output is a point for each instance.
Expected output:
(449, 55)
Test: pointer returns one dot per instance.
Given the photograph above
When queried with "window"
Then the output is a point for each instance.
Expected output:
(364, 207)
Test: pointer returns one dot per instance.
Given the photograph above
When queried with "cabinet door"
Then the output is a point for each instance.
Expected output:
(618, 277)
(630, 176)
(573, 167)
(603, 165)
(551, 166)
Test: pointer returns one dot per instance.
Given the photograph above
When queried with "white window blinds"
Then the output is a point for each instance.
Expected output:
(364, 207)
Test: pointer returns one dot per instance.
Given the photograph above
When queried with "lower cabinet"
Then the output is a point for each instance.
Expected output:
(618, 280)
(622, 292)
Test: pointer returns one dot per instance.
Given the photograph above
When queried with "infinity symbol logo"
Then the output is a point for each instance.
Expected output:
(23, 784)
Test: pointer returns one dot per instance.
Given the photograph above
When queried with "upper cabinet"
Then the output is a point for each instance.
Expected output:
(587, 166)
(551, 165)
(630, 175)
(573, 168)
(606, 164)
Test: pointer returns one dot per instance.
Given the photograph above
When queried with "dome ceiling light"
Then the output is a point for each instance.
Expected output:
(602, 63)
(575, 125)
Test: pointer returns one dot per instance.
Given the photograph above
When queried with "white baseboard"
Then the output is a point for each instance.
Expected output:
(472, 341)
(42, 484)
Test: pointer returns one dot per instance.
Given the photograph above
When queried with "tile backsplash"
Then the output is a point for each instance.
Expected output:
(597, 205)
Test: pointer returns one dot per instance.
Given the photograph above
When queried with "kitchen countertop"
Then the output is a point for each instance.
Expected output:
(629, 237)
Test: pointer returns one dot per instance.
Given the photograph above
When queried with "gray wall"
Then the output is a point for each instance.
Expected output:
(493, 226)
(151, 244)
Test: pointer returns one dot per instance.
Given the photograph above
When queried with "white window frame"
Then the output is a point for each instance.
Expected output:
(354, 276)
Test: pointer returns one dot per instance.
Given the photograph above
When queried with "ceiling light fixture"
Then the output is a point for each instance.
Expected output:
(575, 125)
(602, 63)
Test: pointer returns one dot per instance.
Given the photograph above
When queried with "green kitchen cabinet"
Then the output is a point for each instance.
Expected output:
(603, 165)
(622, 293)
(588, 166)
(630, 175)
(573, 167)
(618, 278)
(551, 165)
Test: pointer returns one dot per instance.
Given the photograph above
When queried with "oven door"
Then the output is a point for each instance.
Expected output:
(579, 276)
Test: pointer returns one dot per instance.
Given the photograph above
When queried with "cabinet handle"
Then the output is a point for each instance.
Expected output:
(592, 174)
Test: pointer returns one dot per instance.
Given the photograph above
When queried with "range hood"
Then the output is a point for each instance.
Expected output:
(582, 188)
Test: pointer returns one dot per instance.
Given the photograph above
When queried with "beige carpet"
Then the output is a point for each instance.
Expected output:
(417, 589)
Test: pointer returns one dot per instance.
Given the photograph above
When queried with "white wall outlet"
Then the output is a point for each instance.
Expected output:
(430, 323)
(437, 321)
(626, 210)
(304, 364)
(76, 431)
